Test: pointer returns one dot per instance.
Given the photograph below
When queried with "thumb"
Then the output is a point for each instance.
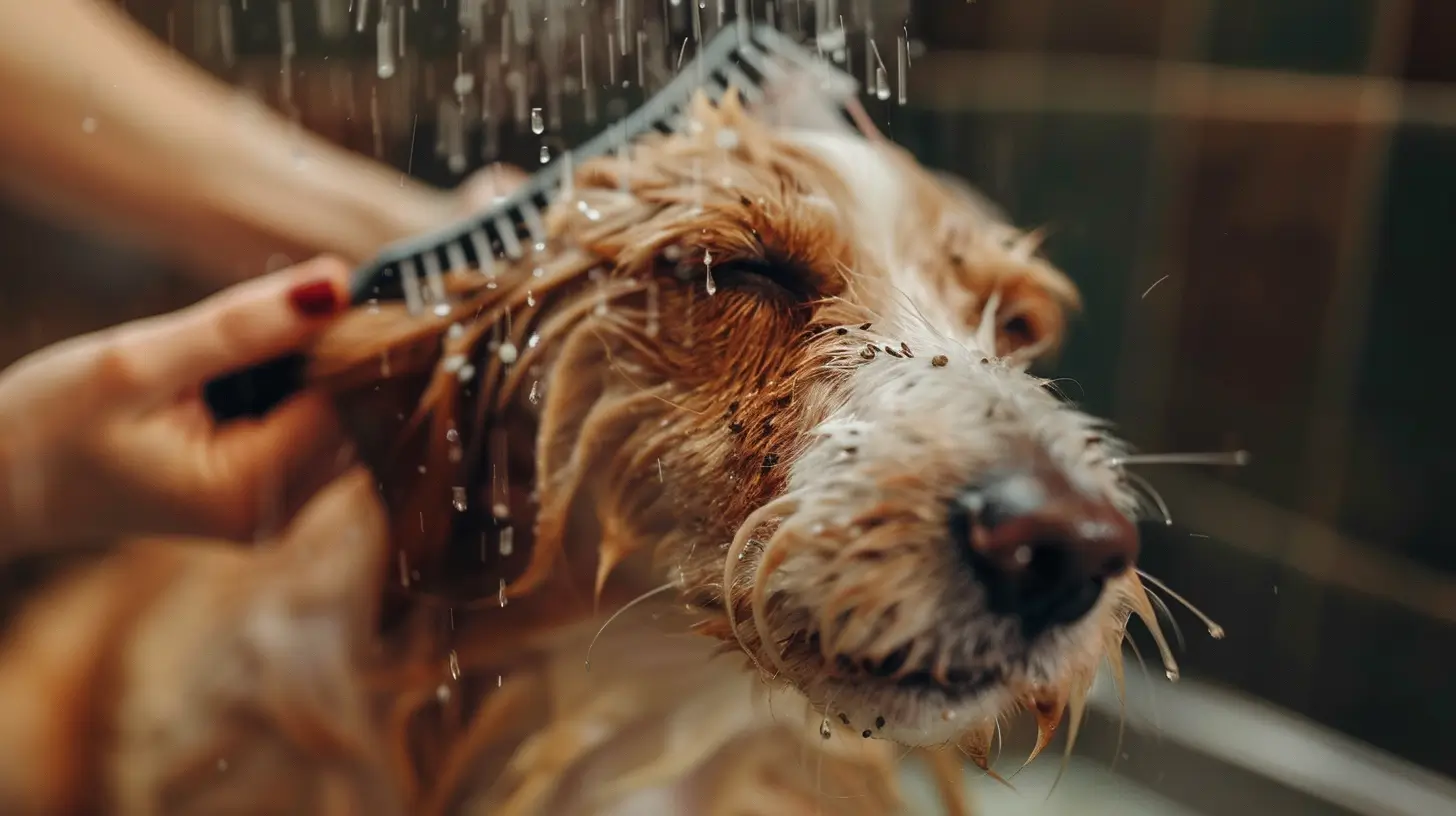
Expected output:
(241, 326)
(487, 187)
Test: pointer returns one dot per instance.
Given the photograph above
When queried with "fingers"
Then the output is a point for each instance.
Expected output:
(241, 326)
(484, 189)
(274, 466)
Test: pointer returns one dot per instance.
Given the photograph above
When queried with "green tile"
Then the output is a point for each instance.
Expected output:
(1402, 472)
(1321, 36)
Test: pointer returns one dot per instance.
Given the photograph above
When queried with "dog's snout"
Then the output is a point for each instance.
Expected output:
(1042, 550)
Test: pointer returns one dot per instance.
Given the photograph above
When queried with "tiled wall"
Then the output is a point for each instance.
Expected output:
(1294, 207)
(1256, 197)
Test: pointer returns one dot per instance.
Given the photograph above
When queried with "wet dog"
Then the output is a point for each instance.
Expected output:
(766, 391)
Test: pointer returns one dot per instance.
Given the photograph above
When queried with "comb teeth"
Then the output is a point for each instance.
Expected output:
(744, 57)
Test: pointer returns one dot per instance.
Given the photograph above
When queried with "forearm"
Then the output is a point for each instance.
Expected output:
(104, 123)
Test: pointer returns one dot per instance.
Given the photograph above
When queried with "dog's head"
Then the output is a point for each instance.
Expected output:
(792, 365)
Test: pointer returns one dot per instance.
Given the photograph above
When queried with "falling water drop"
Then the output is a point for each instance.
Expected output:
(882, 83)
(507, 540)
(454, 665)
(534, 340)
(508, 352)
(824, 730)
(88, 125)
(456, 452)
(502, 594)
(443, 693)
(712, 285)
(501, 510)
(902, 59)
(545, 154)
(535, 396)
(538, 124)
(384, 34)
(457, 499)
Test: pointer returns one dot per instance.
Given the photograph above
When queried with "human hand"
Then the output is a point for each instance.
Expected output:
(107, 435)
(485, 187)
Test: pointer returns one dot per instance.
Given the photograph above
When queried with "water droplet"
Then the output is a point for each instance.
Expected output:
(222, 765)
(497, 681)
(531, 296)
(452, 435)
(708, 265)
(535, 396)
(457, 499)
(467, 373)
(507, 540)
(538, 125)
(726, 138)
(464, 84)
(453, 363)
(442, 309)
(545, 154)
(508, 352)
(882, 83)
(454, 665)
(501, 510)
(502, 597)
(443, 693)
(824, 730)
(534, 340)
(88, 125)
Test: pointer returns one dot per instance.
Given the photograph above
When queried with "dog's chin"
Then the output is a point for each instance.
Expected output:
(916, 710)
(923, 708)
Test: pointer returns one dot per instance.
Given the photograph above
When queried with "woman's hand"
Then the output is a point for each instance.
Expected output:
(106, 435)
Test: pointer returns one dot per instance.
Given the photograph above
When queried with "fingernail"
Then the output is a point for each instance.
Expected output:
(314, 299)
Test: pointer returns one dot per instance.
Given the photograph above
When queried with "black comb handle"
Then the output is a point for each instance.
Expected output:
(253, 392)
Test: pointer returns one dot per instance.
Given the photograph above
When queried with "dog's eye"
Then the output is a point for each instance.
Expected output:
(761, 275)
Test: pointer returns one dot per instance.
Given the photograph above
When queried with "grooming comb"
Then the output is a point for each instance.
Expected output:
(747, 58)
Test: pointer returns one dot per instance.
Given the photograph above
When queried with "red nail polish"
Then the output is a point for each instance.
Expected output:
(316, 299)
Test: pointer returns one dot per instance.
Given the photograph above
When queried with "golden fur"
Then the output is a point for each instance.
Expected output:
(574, 433)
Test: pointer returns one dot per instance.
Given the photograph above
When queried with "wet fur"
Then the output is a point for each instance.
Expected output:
(395, 651)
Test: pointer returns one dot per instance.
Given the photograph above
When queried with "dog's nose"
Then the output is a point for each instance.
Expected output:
(1042, 550)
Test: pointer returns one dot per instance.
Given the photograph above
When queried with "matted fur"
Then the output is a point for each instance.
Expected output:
(732, 380)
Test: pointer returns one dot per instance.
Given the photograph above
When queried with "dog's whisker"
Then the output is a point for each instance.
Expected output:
(1237, 458)
(1143, 607)
(770, 559)
(785, 504)
(644, 597)
(1215, 631)
(1146, 489)
(1167, 613)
